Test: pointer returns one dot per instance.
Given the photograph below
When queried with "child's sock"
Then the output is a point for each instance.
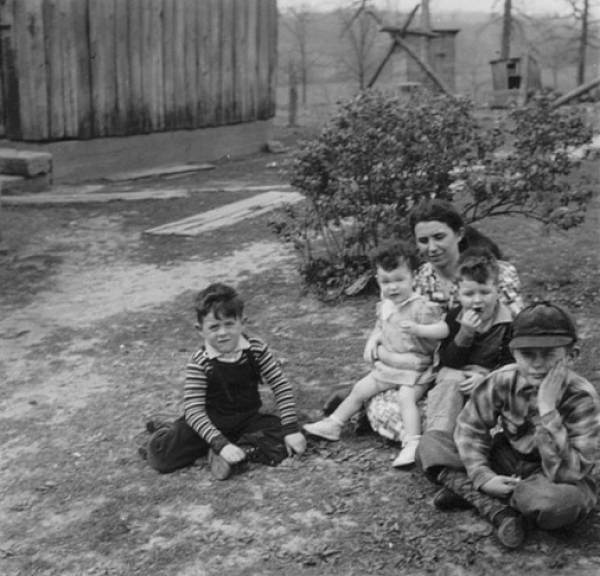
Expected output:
(408, 453)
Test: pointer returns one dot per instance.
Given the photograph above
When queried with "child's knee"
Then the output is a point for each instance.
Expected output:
(407, 393)
(551, 505)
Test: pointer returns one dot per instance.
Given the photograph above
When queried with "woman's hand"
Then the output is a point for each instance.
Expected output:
(500, 486)
(295, 443)
(232, 453)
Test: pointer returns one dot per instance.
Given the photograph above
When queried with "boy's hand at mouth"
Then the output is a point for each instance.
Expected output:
(471, 320)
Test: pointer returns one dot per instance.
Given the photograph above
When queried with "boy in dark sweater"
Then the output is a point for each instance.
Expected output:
(478, 339)
(222, 400)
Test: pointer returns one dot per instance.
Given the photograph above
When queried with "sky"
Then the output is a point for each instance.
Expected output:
(528, 6)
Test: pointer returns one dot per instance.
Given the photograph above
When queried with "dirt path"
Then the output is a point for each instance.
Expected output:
(95, 329)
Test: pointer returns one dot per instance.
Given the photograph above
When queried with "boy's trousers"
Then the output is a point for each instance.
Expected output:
(177, 445)
(444, 401)
(550, 505)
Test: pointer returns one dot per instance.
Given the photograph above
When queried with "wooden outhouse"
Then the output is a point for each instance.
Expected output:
(442, 52)
(513, 79)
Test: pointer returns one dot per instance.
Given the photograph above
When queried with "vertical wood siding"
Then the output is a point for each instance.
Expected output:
(76, 69)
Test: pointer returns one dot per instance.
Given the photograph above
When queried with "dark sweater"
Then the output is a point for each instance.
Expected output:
(487, 349)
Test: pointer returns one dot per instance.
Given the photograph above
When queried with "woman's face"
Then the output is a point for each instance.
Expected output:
(438, 243)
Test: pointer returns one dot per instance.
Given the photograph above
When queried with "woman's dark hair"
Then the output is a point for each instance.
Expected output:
(222, 300)
(473, 238)
(443, 211)
(438, 210)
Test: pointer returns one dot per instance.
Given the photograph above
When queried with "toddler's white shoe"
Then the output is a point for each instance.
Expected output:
(407, 454)
(328, 429)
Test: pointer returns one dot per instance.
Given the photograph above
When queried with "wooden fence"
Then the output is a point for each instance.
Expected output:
(74, 69)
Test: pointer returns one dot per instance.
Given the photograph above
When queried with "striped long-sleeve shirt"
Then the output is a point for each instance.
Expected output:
(567, 439)
(197, 406)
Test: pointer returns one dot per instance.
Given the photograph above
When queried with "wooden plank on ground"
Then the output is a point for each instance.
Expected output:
(53, 40)
(227, 64)
(122, 72)
(229, 214)
(24, 162)
(31, 69)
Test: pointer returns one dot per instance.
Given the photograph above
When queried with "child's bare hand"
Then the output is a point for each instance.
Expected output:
(551, 386)
(295, 443)
(370, 353)
(232, 453)
(471, 320)
(500, 486)
(410, 327)
(468, 384)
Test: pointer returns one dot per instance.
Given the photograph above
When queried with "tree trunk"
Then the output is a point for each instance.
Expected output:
(583, 43)
(293, 97)
(506, 25)
(426, 26)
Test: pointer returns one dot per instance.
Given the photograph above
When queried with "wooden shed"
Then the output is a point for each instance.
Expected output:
(513, 79)
(84, 69)
(442, 50)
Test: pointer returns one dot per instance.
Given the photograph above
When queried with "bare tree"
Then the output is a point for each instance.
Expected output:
(580, 10)
(360, 31)
(507, 22)
(297, 22)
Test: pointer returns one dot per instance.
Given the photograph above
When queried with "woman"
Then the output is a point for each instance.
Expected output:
(441, 236)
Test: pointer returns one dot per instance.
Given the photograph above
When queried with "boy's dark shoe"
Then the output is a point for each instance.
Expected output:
(143, 451)
(157, 421)
(446, 499)
(363, 426)
(510, 528)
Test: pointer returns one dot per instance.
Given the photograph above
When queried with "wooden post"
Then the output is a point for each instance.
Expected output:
(426, 27)
(577, 92)
(506, 29)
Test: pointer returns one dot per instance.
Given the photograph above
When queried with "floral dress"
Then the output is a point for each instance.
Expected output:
(383, 410)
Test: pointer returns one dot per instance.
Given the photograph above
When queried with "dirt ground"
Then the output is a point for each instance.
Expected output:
(96, 326)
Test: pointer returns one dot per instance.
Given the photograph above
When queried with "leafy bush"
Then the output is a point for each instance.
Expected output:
(380, 154)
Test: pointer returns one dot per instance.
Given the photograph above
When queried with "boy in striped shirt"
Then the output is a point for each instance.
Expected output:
(221, 398)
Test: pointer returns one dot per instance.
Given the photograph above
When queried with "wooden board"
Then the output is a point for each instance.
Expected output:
(55, 68)
(31, 69)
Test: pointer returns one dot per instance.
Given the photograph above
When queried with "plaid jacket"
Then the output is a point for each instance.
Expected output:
(566, 440)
